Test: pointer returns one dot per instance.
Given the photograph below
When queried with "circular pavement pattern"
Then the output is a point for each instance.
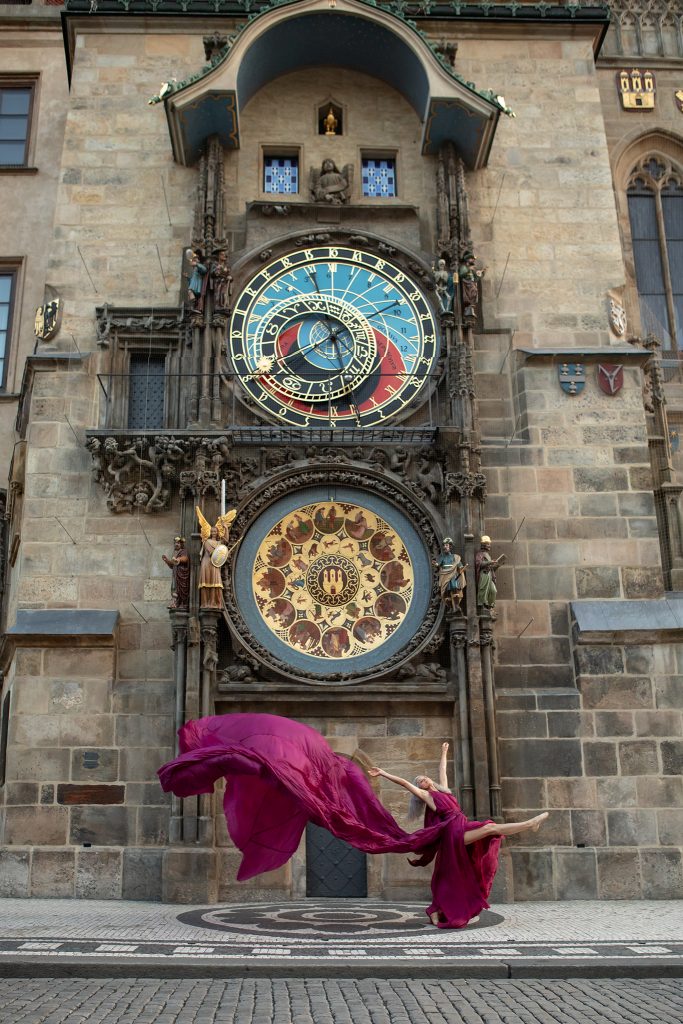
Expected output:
(323, 919)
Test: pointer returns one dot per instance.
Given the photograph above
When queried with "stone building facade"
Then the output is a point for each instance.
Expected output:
(526, 389)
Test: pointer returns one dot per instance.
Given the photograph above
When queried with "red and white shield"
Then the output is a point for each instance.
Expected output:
(610, 377)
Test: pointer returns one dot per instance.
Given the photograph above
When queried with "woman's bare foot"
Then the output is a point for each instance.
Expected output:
(473, 920)
(434, 918)
(538, 821)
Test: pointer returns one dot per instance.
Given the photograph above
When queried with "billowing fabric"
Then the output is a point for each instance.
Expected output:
(282, 774)
(463, 875)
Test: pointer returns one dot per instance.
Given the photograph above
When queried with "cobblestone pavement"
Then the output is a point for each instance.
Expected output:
(321, 1001)
(331, 938)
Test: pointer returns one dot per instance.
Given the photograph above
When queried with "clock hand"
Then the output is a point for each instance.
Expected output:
(352, 404)
(396, 302)
(305, 349)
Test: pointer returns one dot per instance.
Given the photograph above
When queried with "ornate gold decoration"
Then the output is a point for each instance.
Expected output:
(333, 579)
(637, 89)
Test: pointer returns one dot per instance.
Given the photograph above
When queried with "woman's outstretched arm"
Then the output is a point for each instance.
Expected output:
(422, 794)
(443, 774)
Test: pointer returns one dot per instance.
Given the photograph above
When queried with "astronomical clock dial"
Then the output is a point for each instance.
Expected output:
(332, 334)
(332, 584)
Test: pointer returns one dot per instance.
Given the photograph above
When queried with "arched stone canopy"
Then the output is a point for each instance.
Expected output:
(334, 33)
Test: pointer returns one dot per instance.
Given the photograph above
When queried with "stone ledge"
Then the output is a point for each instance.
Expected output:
(59, 627)
(655, 621)
(625, 354)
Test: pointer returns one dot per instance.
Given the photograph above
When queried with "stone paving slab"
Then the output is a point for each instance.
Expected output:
(372, 1001)
(335, 938)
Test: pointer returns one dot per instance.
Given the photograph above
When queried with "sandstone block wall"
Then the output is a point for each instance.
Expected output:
(82, 814)
(606, 760)
(27, 200)
(543, 212)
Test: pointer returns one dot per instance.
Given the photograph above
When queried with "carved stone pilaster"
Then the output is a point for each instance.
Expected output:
(180, 632)
(208, 624)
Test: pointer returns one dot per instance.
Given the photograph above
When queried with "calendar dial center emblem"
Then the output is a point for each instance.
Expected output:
(333, 335)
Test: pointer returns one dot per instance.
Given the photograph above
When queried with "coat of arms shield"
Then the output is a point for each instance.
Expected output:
(572, 377)
(610, 377)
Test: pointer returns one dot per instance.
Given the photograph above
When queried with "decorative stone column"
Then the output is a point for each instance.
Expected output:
(462, 753)
(208, 621)
(486, 648)
(179, 627)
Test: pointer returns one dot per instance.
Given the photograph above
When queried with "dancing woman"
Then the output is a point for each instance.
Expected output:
(466, 852)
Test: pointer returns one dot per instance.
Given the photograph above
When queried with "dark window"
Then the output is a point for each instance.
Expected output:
(147, 385)
(655, 206)
(7, 279)
(15, 115)
(4, 730)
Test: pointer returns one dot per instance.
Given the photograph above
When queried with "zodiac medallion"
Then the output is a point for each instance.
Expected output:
(333, 579)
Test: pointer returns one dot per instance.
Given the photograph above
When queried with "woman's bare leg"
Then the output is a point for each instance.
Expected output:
(512, 829)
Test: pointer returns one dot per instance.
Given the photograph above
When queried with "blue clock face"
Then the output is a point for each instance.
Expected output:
(333, 334)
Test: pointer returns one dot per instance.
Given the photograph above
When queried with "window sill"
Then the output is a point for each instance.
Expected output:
(17, 169)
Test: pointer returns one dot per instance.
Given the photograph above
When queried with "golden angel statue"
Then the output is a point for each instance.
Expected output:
(214, 555)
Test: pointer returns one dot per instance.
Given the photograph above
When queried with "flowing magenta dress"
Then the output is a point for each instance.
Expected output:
(463, 875)
(281, 774)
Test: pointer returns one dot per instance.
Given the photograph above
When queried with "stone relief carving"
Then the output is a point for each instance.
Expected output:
(141, 473)
(330, 185)
(463, 485)
(646, 27)
(108, 320)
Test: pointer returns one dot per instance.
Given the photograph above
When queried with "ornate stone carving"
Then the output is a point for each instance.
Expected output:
(617, 318)
(134, 322)
(463, 485)
(214, 45)
(460, 373)
(209, 231)
(447, 50)
(209, 635)
(330, 185)
(646, 27)
(140, 472)
(430, 672)
(135, 475)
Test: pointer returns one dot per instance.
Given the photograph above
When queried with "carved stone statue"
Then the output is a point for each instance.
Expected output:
(443, 284)
(485, 571)
(196, 287)
(330, 185)
(469, 282)
(452, 580)
(221, 282)
(179, 563)
(214, 555)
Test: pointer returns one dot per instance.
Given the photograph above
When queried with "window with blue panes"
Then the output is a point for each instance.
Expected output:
(15, 110)
(281, 174)
(6, 295)
(378, 177)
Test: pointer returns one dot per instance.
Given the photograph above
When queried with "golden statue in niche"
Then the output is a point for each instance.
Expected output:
(330, 123)
(333, 579)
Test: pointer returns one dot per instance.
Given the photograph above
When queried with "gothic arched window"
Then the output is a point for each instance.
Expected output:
(655, 207)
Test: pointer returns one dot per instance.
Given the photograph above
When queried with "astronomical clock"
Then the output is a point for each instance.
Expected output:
(333, 578)
(333, 333)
